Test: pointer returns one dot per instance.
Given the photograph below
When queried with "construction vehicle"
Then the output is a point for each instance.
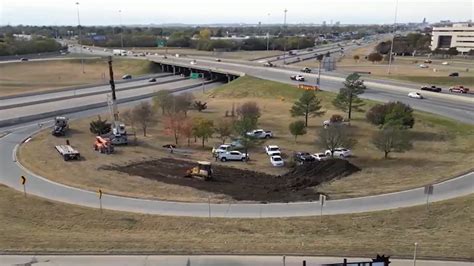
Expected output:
(203, 170)
(60, 126)
(118, 135)
(103, 145)
(68, 152)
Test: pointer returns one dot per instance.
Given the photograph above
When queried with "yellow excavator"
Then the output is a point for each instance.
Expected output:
(203, 170)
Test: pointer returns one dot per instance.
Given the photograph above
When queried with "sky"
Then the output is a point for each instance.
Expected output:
(111, 12)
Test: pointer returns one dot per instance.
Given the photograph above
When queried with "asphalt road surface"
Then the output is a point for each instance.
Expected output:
(197, 260)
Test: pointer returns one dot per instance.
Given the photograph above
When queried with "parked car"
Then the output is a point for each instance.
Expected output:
(327, 123)
(302, 157)
(232, 156)
(297, 78)
(260, 133)
(454, 74)
(222, 148)
(276, 160)
(127, 76)
(415, 95)
(339, 152)
(459, 89)
(319, 156)
(423, 66)
(152, 80)
(237, 143)
(431, 88)
(306, 70)
(272, 150)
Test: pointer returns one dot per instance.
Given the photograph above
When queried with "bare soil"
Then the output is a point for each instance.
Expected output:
(244, 185)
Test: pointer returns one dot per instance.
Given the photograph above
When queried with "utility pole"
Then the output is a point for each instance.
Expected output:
(284, 38)
(80, 36)
(112, 87)
(268, 30)
(414, 254)
(393, 38)
(121, 28)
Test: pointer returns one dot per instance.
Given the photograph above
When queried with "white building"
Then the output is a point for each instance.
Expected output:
(460, 36)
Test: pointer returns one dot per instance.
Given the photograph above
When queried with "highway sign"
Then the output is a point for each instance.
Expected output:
(429, 189)
(322, 199)
(160, 42)
(195, 75)
(23, 180)
(100, 193)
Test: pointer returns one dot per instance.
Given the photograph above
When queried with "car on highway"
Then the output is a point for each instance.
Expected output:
(432, 88)
(127, 76)
(272, 150)
(152, 80)
(319, 156)
(415, 95)
(428, 61)
(276, 160)
(454, 74)
(445, 63)
(302, 157)
(23, 59)
(193, 62)
(459, 89)
(339, 152)
(422, 66)
(260, 134)
(268, 64)
(306, 70)
(232, 156)
(218, 60)
(297, 77)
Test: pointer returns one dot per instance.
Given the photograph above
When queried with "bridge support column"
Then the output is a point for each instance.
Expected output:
(174, 70)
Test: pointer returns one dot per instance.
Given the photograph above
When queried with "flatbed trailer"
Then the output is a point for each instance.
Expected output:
(68, 152)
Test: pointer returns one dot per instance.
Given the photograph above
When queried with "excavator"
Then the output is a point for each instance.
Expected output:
(203, 170)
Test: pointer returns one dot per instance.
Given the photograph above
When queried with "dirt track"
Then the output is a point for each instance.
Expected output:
(244, 185)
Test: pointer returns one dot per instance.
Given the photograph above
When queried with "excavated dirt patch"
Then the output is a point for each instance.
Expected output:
(244, 185)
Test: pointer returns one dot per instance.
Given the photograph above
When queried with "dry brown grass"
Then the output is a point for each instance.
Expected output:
(443, 149)
(30, 76)
(35, 225)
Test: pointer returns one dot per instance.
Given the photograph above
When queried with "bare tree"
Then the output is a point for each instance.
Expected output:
(335, 136)
(183, 102)
(224, 128)
(392, 139)
(144, 116)
(173, 125)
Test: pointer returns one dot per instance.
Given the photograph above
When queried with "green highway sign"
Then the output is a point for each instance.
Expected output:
(161, 42)
(195, 75)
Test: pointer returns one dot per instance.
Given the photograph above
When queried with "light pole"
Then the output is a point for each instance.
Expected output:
(414, 254)
(393, 38)
(284, 38)
(268, 30)
(80, 36)
(121, 28)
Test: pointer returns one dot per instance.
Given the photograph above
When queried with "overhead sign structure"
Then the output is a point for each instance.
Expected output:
(195, 75)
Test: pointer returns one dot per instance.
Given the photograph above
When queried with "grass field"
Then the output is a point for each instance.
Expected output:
(35, 225)
(30, 76)
(450, 141)
(407, 68)
(243, 55)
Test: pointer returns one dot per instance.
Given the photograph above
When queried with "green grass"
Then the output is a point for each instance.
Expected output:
(36, 225)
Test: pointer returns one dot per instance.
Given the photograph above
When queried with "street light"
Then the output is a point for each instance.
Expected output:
(268, 30)
(393, 38)
(80, 36)
(121, 28)
(414, 254)
(284, 38)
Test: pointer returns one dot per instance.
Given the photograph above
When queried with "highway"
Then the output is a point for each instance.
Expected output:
(197, 260)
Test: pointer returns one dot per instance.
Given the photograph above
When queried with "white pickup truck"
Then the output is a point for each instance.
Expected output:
(272, 150)
(232, 156)
(260, 134)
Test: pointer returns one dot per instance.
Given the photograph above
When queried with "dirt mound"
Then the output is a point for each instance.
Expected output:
(313, 174)
(244, 185)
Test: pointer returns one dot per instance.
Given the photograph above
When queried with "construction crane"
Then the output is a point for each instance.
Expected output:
(119, 134)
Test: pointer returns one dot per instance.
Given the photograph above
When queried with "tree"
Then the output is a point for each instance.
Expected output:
(250, 111)
(203, 128)
(182, 103)
(200, 106)
(356, 58)
(224, 128)
(187, 129)
(127, 117)
(164, 100)
(391, 114)
(99, 126)
(471, 52)
(375, 57)
(205, 34)
(452, 51)
(242, 126)
(392, 139)
(144, 116)
(173, 124)
(307, 105)
(348, 99)
(297, 128)
(335, 136)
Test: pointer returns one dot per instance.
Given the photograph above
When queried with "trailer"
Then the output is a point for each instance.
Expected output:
(68, 152)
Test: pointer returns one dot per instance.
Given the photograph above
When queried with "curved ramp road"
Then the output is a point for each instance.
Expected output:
(37, 185)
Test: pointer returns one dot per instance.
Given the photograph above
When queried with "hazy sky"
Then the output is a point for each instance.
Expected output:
(106, 12)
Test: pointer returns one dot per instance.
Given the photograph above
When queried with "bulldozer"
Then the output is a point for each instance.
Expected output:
(203, 170)
(103, 145)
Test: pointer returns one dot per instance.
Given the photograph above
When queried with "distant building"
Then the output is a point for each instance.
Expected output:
(460, 36)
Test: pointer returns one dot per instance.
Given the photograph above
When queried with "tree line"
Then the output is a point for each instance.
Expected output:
(14, 46)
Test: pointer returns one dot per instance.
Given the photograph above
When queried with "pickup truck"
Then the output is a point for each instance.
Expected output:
(432, 88)
(221, 149)
(232, 156)
(272, 150)
(260, 134)
(297, 77)
(459, 89)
